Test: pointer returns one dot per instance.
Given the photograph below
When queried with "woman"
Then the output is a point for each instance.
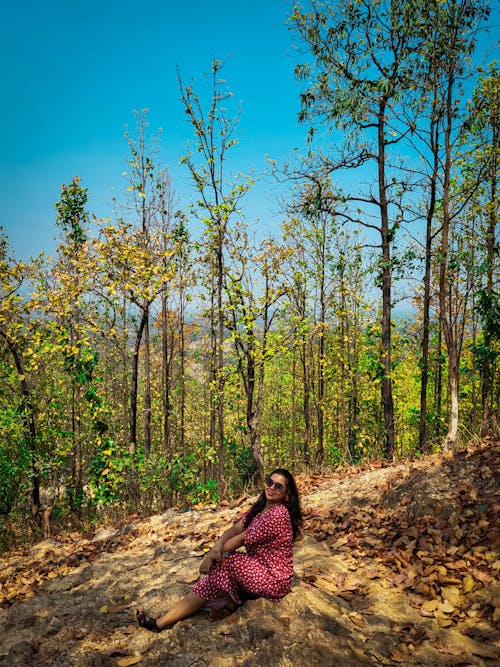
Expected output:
(267, 530)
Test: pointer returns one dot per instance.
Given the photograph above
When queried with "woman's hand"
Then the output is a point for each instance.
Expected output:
(217, 550)
(215, 555)
(207, 563)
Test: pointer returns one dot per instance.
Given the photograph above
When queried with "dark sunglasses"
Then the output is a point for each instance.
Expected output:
(277, 485)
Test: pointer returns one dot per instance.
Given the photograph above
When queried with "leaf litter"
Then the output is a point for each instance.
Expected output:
(398, 565)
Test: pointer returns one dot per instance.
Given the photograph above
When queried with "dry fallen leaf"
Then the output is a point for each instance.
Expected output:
(446, 607)
(126, 662)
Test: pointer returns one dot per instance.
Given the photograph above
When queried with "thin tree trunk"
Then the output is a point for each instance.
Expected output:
(147, 388)
(487, 383)
(386, 238)
(220, 380)
(305, 405)
(212, 383)
(453, 376)
(293, 453)
(135, 383)
(422, 431)
(344, 441)
(182, 369)
(166, 376)
(254, 400)
(449, 337)
(29, 423)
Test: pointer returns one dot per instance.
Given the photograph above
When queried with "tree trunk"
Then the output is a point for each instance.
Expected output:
(220, 380)
(182, 370)
(424, 377)
(147, 388)
(253, 413)
(293, 452)
(386, 276)
(29, 423)
(453, 379)
(134, 384)
(306, 446)
(320, 451)
(166, 375)
(444, 296)
(487, 383)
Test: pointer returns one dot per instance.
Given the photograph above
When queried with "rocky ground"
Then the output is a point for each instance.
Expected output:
(398, 565)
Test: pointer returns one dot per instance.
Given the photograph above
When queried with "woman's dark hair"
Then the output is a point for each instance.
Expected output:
(292, 504)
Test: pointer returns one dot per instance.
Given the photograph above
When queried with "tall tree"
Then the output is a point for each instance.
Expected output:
(480, 172)
(362, 57)
(217, 202)
(70, 274)
(173, 326)
(312, 232)
(454, 25)
(249, 319)
(134, 258)
(17, 338)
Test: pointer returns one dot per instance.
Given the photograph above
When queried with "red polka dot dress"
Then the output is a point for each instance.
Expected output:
(265, 570)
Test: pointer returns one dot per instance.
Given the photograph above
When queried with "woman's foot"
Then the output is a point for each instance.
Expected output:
(145, 621)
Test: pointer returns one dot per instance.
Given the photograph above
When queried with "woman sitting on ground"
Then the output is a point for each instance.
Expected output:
(267, 531)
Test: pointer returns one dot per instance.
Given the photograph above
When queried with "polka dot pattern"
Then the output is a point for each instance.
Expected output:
(265, 570)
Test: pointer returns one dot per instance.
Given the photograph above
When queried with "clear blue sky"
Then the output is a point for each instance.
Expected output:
(73, 73)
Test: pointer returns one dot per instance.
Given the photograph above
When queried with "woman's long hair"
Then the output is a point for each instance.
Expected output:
(292, 504)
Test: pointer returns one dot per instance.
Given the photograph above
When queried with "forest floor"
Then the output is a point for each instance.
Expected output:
(398, 565)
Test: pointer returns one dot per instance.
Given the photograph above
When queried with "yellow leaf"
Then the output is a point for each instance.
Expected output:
(430, 605)
(469, 583)
(125, 662)
(446, 607)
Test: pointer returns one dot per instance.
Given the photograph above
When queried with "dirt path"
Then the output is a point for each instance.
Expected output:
(398, 566)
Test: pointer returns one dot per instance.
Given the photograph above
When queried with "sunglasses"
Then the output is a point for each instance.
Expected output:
(277, 485)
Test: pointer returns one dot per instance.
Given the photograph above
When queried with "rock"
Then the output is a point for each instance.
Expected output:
(42, 549)
(21, 654)
(104, 535)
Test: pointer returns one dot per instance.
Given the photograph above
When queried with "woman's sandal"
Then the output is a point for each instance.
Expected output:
(146, 621)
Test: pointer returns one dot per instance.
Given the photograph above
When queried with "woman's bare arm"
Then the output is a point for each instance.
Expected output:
(232, 538)
(219, 546)
(235, 542)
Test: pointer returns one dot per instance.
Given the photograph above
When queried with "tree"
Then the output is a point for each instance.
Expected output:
(71, 276)
(135, 259)
(173, 327)
(312, 231)
(15, 335)
(249, 319)
(363, 54)
(454, 24)
(480, 172)
(217, 202)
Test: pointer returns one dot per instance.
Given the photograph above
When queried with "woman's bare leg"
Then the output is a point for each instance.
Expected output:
(187, 606)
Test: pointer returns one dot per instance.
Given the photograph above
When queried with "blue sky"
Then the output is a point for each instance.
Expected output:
(74, 72)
